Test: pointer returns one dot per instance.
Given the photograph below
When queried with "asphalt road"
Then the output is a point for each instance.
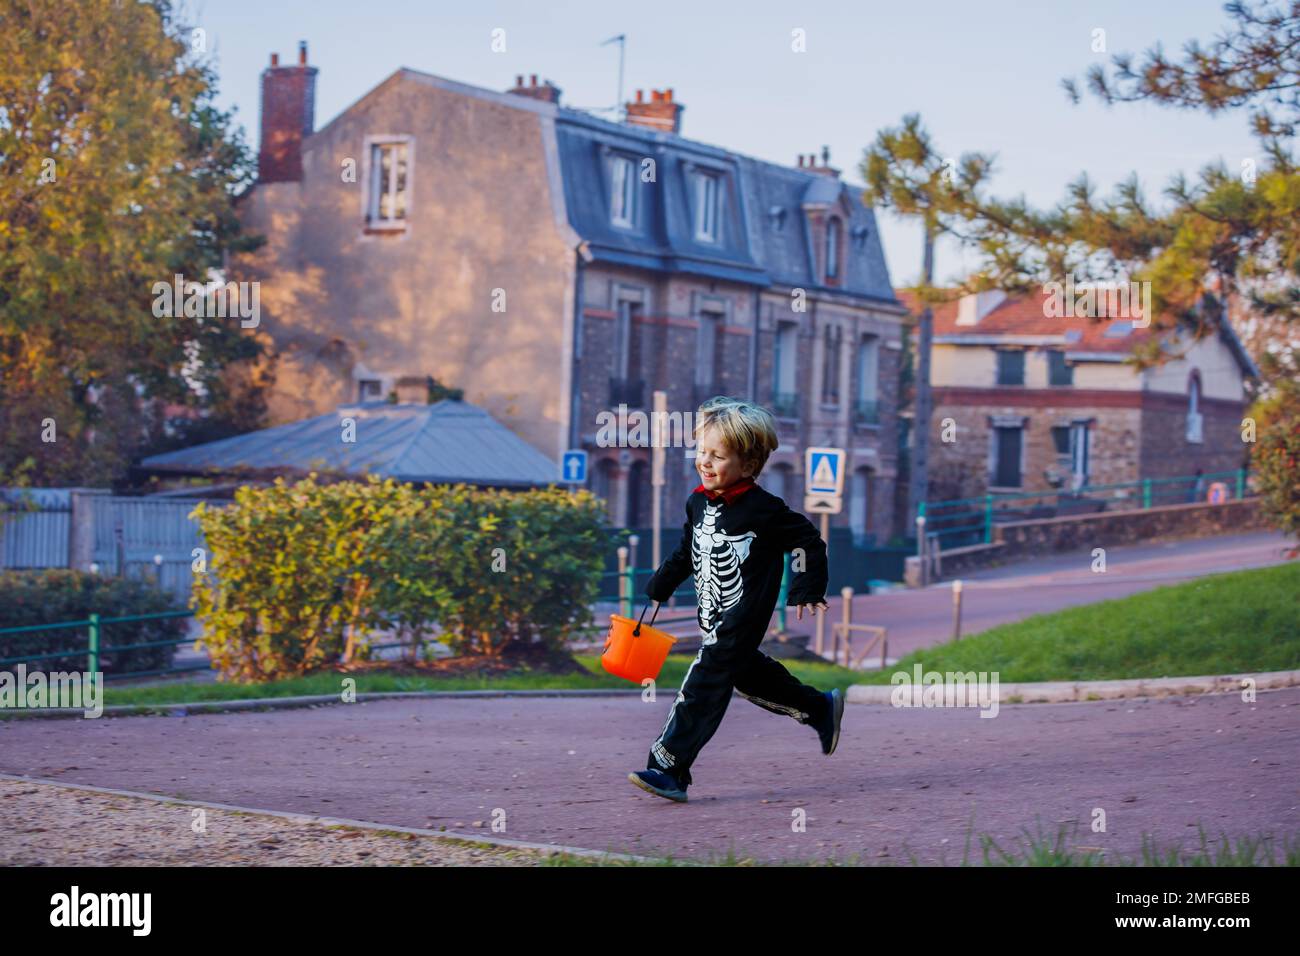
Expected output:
(554, 769)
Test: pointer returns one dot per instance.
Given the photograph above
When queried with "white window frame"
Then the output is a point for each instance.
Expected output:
(373, 170)
(1195, 421)
(708, 205)
(622, 191)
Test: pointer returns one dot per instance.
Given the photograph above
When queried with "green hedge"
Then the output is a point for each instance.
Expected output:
(300, 575)
(51, 596)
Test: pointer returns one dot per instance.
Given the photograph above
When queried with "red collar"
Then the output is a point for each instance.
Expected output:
(731, 492)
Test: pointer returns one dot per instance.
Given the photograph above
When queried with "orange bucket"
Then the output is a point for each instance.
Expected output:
(633, 650)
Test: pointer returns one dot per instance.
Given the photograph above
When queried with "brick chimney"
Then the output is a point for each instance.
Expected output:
(288, 114)
(809, 163)
(413, 389)
(661, 112)
(548, 92)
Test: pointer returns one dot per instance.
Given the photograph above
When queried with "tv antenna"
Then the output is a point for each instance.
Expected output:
(621, 40)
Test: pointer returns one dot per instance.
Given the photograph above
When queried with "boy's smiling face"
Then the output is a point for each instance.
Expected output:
(718, 465)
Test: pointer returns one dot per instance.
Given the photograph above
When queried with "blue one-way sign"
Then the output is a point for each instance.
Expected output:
(574, 466)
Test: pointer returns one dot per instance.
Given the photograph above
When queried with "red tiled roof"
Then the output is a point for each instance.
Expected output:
(1027, 315)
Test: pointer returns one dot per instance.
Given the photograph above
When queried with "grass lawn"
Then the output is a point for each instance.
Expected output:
(1228, 623)
(821, 675)
(1221, 624)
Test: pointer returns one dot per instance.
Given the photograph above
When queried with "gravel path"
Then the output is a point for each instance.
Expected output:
(48, 825)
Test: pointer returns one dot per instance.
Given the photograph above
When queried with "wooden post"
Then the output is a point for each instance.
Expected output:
(846, 595)
(956, 610)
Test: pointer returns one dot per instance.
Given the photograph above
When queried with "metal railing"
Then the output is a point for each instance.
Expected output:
(94, 647)
(967, 521)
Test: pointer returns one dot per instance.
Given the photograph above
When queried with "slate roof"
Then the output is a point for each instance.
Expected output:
(447, 442)
(764, 239)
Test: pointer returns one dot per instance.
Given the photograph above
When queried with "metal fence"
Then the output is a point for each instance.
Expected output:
(112, 534)
(968, 521)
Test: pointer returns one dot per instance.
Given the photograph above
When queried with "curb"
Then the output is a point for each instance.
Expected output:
(285, 703)
(1055, 692)
(452, 836)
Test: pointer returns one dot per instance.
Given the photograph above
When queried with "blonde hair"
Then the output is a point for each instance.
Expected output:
(748, 430)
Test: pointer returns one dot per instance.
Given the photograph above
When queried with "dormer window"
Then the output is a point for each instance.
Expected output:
(707, 203)
(832, 251)
(622, 192)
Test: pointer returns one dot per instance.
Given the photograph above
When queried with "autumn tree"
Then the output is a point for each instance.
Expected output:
(117, 172)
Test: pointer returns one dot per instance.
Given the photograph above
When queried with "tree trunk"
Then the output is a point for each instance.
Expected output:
(917, 487)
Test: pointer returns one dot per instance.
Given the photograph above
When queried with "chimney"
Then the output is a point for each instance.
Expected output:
(413, 389)
(824, 169)
(662, 112)
(548, 92)
(975, 306)
(288, 115)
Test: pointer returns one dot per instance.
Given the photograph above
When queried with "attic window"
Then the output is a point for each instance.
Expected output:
(832, 251)
(1119, 330)
(777, 215)
(859, 235)
(707, 202)
(622, 192)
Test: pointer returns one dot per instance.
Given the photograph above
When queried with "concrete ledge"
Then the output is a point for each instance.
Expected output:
(1052, 692)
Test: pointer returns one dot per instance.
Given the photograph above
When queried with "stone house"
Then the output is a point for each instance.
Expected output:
(1031, 401)
(556, 265)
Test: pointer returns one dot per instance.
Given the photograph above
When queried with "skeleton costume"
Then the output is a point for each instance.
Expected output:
(734, 541)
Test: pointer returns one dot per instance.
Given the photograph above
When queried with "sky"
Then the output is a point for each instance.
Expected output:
(984, 77)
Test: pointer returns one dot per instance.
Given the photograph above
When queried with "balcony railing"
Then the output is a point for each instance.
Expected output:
(785, 404)
(627, 391)
(866, 413)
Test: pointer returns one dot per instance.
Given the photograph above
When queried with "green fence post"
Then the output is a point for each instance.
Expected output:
(1241, 483)
(629, 579)
(1146, 493)
(93, 654)
(988, 519)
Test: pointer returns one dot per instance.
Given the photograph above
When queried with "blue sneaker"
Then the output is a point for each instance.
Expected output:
(828, 728)
(659, 783)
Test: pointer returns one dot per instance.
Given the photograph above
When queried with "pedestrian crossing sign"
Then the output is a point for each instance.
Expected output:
(824, 471)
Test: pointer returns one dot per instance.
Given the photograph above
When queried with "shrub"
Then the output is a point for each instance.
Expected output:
(301, 574)
(1277, 456)
(52, 596)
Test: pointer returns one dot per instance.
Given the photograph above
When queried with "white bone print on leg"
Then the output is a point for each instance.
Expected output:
(717, 558)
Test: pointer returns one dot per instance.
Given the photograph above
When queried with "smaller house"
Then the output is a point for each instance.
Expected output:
(1027, 400)
(448, 442)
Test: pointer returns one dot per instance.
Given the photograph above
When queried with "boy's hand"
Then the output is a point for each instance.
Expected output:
(798, 609)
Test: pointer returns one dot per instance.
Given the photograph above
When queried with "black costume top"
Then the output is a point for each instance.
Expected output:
(734, 541)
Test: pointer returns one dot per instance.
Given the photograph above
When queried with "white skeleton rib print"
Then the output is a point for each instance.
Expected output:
(717, 558)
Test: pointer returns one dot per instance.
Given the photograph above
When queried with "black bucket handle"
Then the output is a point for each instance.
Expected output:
(636, 632)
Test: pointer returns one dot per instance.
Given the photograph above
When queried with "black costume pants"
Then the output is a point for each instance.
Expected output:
(732, 661)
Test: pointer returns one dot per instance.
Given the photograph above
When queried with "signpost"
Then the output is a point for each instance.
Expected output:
(573, 468)
(823, 470)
